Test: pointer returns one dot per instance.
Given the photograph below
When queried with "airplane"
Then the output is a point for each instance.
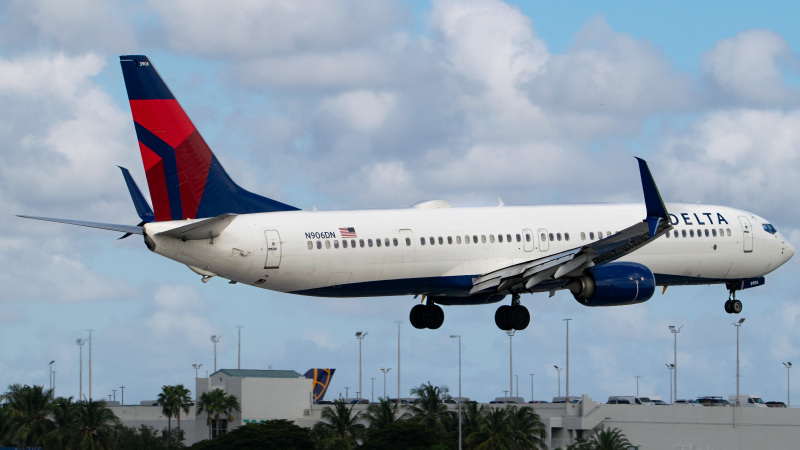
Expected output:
(604, 254)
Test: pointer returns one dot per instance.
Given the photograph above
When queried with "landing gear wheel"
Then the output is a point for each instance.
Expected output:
(434, 316)
(501, 317)
(417, 316)
(736, 306)
(728, 307)
(518, 317)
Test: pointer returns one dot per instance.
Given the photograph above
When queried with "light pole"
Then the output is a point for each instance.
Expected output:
(453, 336)
(372, 396)
(214, 340)
(567, 374)
(788, 366)
(675, 332)
(196, 368)
(510, 334)
(122, 393)
(115, 394)
(80, 370)
(52, 383)
(347, 392)
(90, 363)
(360, 336)
(531, 386)
(637, 384)
(559, 369)
(239, 363)
(737, 325)
(385, 371)
(670, 367)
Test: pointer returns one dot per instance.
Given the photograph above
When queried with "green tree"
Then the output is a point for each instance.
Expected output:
(528, 428)
(173, 400)
(269, 435)
(380, 415)
(94, 426)
(340, 423)
(472, 417)
(609, 439)
(429, 408)
(230, 405)
(63, 414)
(183, 399)
(30, 409)
(404, 435)
(493, 432)
(213, 404)
(142, 438)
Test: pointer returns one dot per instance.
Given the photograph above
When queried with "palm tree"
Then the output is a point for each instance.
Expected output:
(229, 405)
(214, 403)
(168, 401)
(183, 399)
(493, 432)
(609, 439)
(429, 407)
(380, 415)
(472, 417)
(30, 411)
(340, 422)
(94, 426)
(64, 415)
(529, 431)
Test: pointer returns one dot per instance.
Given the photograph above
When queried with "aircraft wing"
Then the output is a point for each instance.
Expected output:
(525, 276)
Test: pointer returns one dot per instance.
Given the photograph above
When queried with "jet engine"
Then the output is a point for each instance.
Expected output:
(613, 284)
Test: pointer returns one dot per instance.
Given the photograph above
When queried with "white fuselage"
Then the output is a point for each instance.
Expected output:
(440, 251)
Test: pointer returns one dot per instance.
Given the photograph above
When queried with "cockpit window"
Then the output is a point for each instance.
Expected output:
(769, 228)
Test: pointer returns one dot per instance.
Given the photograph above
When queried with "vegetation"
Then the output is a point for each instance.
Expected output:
(173, 400)
(269, 435)
(217, 404)
(603, 439)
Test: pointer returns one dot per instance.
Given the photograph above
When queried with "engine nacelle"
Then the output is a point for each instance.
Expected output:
(613, 284)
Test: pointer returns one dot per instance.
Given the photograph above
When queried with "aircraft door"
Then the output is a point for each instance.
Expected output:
(543, 242)
(273, 249)
(527, 240)
(407, 244)
(747, 234)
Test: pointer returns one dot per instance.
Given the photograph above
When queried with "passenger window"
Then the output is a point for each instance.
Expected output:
(432, 240)
(519, 238)
(608, 234)
(394, 242)
(683, 233)
(449, 239)
(566, 236)
(691, 233)
(543, 237)
(483, 239)
(475, 238)
(422, 241)
(310, 245)
(714, 232)
(441, 241)
(491, 238)
(466, 239)
(336, 244)
(508, 238)
(583, 235)
(729, 231)
(458, 239)
(361, 243)
(386, 242)
(378, 242)
(328, 244)
(706, 231)
(591, 235)
(558, 236)
(353, 243)
(344, 243)
(499, 238)
(319, 245)
(369, 242)
(527, 237)
(667, 235)
(408, 242)
(552, 238)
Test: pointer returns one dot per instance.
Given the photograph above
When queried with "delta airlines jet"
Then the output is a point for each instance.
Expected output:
(605, 255)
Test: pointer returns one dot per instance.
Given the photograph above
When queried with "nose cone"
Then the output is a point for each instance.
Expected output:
(788, 250)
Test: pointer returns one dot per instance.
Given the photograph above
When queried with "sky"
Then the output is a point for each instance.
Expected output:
(341, 104)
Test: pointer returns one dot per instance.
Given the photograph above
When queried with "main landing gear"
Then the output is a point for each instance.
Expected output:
(733, 306)
(429, 315)
(514, 316)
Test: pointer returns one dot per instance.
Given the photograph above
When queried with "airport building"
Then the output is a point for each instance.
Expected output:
(286, 394)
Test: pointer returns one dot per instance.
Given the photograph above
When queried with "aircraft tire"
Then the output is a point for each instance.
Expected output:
(728, 307)
(501, 317)
(434, 316)
(417, 317)
(736, 306)
(518, 317)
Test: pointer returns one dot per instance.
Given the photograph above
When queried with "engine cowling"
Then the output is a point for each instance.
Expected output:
(614, 284)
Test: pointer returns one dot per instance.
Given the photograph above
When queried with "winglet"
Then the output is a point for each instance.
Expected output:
(656, 211)
(143, 208)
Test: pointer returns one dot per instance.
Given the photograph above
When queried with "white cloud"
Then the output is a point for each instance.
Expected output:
(749, 68)
(364, 111)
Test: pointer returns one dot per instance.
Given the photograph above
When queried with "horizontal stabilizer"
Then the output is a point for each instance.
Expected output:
(103, 226)
(203, 229)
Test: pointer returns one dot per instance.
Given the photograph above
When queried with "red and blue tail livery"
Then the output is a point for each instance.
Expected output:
(186, 180)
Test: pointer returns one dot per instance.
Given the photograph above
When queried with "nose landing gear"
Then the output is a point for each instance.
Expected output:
(514, 316)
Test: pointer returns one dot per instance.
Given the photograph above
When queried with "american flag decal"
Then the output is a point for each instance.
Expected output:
(347, 232)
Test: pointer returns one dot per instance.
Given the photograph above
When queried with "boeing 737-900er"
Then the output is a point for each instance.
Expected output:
(604, 254)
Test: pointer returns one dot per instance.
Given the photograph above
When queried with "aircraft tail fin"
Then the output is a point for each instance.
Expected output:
(185, 179)
(322, 379)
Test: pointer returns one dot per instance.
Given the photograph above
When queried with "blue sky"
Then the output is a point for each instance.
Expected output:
(338, 105)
